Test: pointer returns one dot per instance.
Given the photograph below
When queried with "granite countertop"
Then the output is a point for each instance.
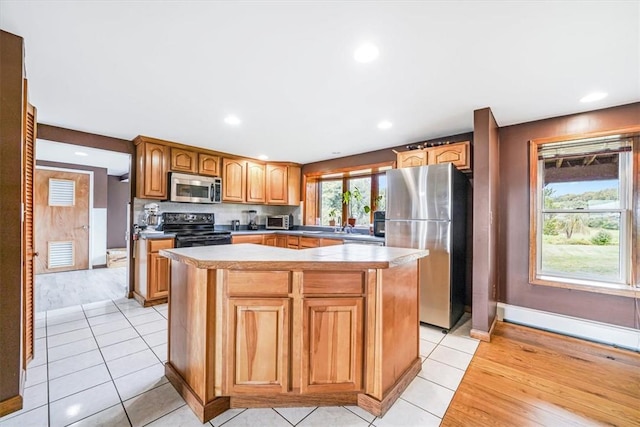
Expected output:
(250, 256)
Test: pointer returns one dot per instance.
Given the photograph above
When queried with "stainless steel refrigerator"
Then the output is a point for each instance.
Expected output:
(426, 209)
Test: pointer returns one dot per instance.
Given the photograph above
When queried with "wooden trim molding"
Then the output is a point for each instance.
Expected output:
(204, 412)
(380, 407)
(483, 335)
(534, 200)
(10, 405)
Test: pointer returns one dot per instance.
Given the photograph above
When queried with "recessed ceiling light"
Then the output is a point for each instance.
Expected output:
(366, 53)
(80, 153)
(232, 120)
(595, 96)
(385, 124)
(263, 157)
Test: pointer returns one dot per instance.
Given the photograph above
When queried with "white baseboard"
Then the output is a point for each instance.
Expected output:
(605, 333)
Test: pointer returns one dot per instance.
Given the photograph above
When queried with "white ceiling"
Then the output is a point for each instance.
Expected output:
(115, 163)
(174, 70)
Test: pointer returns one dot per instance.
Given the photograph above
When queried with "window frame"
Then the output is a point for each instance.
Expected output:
(632, 220)
(313, 195)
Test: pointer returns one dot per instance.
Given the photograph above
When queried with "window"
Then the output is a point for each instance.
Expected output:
(368, 194)
(330, 201)
(581, 211)
(360, 188)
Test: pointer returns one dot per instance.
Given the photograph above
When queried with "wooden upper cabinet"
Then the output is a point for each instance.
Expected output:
(256, 184)
(183, 160)
(277, 184)
(208, 164)
(243, 180)
(408, 159)
(283, 184)
(234, 182)
(458, 153)
(258, 345)
(153, 165)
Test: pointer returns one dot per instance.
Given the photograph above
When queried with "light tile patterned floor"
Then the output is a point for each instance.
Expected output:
(101, 364)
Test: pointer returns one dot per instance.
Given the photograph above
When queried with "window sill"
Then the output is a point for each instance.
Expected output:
(604, 288)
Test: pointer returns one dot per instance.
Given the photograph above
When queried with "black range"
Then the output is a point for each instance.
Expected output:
(194, 229)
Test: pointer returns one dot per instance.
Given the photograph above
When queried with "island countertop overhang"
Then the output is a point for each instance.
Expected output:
(252, 256)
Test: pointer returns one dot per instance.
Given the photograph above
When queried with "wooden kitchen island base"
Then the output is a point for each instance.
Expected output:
(255, 326)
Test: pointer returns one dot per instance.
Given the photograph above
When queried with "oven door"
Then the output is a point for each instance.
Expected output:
(191, 241)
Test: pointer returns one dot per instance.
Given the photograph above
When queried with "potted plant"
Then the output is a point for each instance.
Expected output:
(355, 199)
(333, 213)
(351, 198)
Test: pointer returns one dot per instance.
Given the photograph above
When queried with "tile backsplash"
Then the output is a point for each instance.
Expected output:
(224, 212)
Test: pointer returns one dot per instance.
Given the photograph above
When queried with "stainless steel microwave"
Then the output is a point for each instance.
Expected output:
(279, 222)
(194, 188)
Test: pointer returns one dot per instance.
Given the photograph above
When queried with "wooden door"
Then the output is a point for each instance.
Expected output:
(234, 181)
(458, 154)
(159, 275)
(281, 241)
(277, 184)
(332, 353)
(208, 165)
(270, 240)
(62, 220)
(258, 346)
(28, 244)
(408, 159)
(256, 186)
(158, 268)
(183, 161)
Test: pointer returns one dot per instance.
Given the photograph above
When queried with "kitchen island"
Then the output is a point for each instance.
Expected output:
(260, 326)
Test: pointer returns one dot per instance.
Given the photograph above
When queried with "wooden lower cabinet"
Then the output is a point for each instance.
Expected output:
(281, 241)
(258, 341)
(291, 336)
(270, 240)
(152, 271)
(332, 336)
(159, 276)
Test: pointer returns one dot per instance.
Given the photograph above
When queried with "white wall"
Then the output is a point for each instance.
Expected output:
(224, 212)
(98, 236)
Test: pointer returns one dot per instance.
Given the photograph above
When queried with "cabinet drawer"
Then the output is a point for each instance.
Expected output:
(243, 283)
(309, 242)
(333, 282)
(257, 239)
(156, 245)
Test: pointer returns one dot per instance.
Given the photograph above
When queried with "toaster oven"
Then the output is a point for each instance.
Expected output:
(279, 222)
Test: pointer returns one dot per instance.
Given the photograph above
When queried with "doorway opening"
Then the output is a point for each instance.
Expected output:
(81, 218)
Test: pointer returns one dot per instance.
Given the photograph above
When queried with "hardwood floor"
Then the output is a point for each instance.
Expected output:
(529, 377)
